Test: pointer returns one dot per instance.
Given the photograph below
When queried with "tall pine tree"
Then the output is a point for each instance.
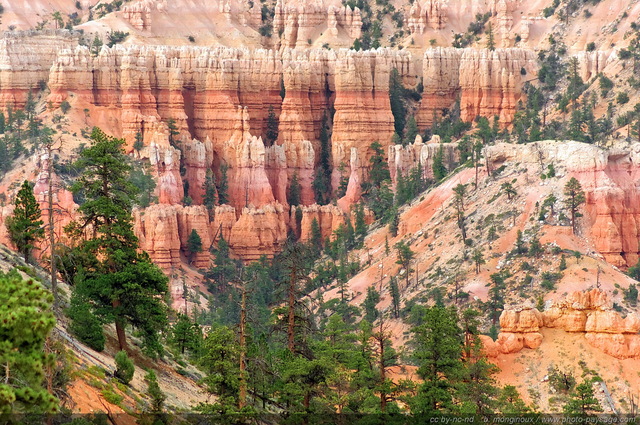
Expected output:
(24, 226)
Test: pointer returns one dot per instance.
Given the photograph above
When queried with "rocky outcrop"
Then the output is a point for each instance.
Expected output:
(157, 230)
(363, 112)
(404, 159)
(519, 328)
(608, 179)
(427, 14)
(25, 62)
(258, 232)
(488, 82)
(589, 312)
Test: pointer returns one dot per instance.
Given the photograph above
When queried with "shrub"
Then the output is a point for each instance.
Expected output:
(65, 106)
(622, 98)
(124, 367)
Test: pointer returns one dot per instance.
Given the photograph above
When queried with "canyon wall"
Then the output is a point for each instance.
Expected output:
(608, 178)
(590, 313)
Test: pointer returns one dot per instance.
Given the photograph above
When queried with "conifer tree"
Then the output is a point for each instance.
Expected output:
(122, 284)
(411, 131)
(439, 169)
(294, 191)
(209, 196)
(194, 244)
(271, 134)
(574, 197)
(223, 187)
(25, 322)
(24, 226)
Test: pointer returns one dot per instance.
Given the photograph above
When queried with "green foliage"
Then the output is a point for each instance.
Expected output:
(370, 302)
(121, 283)
(223, 186)
(142, 179)
(220, 362)
(622, 98)
(574, 197)
(115, 37)
(209, 196)
(223, 269)
(65, 106)
(295, 191)
(194, 244)
(26, 320)
(450, 126)
(24, 226)
(582, 401)
(124, 367)
(439, 169)
(322, 180)
(85, 325)
(154, 392)
(271, 133)
(631, 294)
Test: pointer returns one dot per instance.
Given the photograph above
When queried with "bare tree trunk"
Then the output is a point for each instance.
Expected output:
(122, 337)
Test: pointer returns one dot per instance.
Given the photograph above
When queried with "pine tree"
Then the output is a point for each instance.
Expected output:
(26, 319)
(184, 334)
(316, 235)
(574, 197)
(138, 144)
(209, 196)
(395, 296)
(439, 170)
(122, 284)
(583, 400)
(24, 226)
(294, 191)
(410, 131)
(394, 224)
(405, 256)
(125, 369)
(398, 108)
(379, 168)
(223, 187)
(370, 302)
(271, 134)
(478, 259)
(491, 42)
(438, 351)
(194, 244)
(154, 392)
(223, 269)
(360, 223)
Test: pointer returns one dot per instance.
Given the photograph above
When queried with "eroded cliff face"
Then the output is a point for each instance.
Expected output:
(198, 109)
(488, 83)
(590, 313)
(609, 180)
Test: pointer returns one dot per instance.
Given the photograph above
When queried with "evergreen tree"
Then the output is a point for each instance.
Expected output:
(438, 351)
(184, 334)
(478, 259)
(574, 197)
(24, 226)
(223, 187)
(271, 134)
(194, 244)
(583, 401)
(221, 355)
(84, 324)
(508, 189)
(223, 269)
(398, 108)
(393, 225)
(209, 196)
(173, 131)
(316, 235)
(142, 179)
(395, 296)
(439, 169)
(125, 368)
(294, 191)
(405, 256)
(154, 392)
(5, 158)
(26, 319)
(322, 180)
(491, 42)
(379, 171)
(410, 131)
(370, 302)
(138, 143)
(121, 283)
(360, 223)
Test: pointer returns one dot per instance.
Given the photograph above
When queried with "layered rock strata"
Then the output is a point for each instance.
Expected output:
(589, 312)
